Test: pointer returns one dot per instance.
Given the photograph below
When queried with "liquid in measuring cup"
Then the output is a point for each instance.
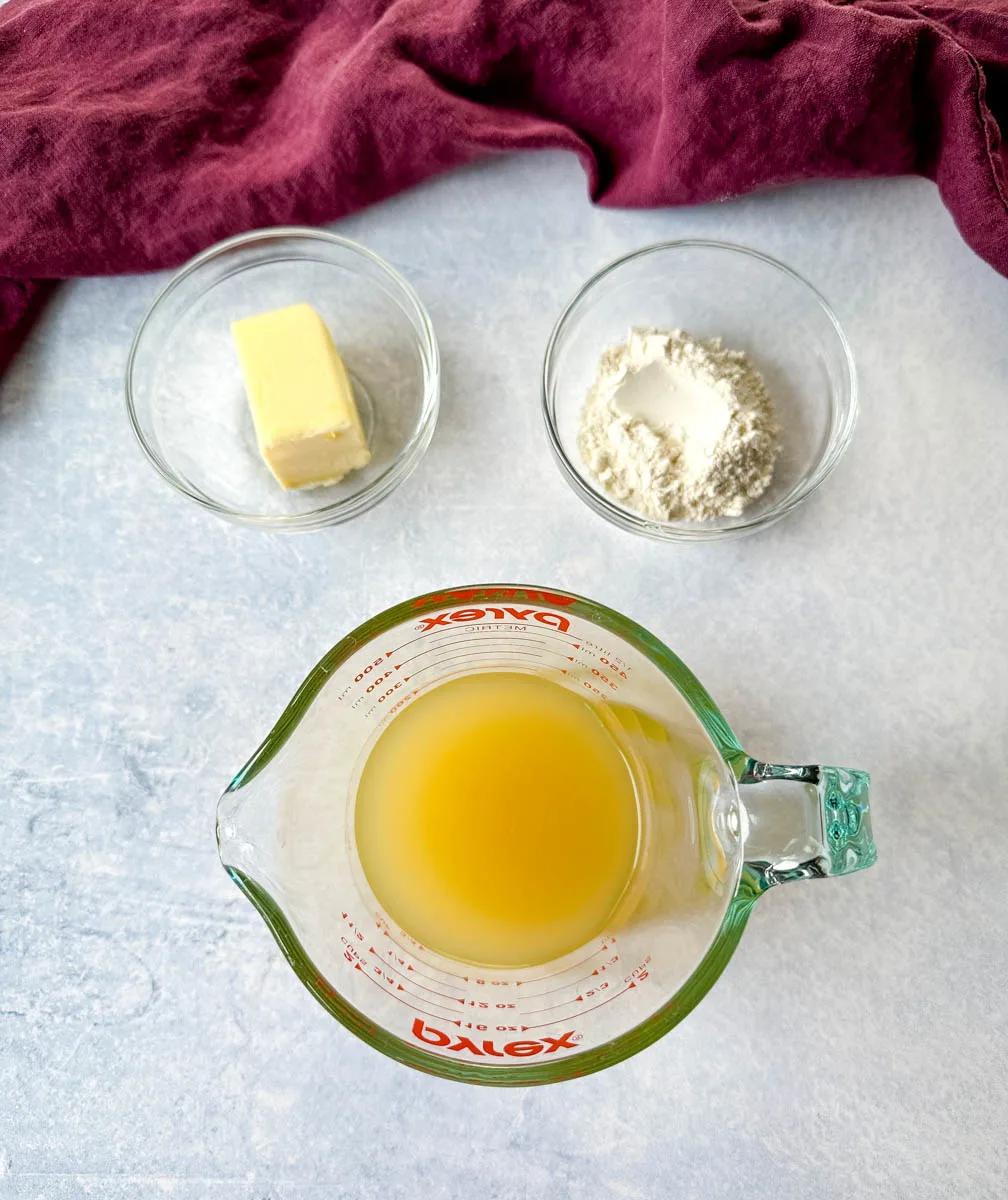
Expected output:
(498, 819)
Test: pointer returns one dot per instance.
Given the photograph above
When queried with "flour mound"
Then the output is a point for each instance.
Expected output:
(677, 427)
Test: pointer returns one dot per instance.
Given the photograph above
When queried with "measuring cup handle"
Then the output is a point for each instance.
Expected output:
(804, 822)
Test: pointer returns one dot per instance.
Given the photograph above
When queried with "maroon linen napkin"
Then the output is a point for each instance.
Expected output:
(133, 135)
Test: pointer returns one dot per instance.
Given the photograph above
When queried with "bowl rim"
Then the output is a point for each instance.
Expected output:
(679, 531)
(340, 510)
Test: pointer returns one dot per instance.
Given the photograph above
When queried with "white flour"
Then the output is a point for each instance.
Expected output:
(677, 427)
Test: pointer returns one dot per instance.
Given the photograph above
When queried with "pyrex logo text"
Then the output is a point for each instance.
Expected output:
(462, 615)
(520, 1049)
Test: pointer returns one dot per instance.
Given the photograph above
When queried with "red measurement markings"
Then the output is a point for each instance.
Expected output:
(494, 627)
(640, 972)
(383, 928)
(483, 1027)
(577, 983)
(434, 992)
(423, 987)
(473, 656)
(446, 978)
(611, 665)
(482, 629)
(352, 925)
(487, 1005)
(386, 695)
(408, 966)
(585, 1011)
(601, 652)
(434, 978)
(534, 1012)
(423, 637)
(363, 673)
(402, 999)
(477, 645)
(607, 945)
(366, 673)
(598, 675)
(376, 973)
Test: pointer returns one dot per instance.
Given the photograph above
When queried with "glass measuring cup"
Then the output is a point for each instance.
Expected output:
(718, 828)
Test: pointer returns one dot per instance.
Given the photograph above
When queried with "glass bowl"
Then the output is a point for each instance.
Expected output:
(753, 303)
(186, 399)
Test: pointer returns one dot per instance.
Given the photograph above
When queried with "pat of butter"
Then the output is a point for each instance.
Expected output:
(306, 423)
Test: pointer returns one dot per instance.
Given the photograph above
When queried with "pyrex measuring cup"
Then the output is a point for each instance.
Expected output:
(718, 829)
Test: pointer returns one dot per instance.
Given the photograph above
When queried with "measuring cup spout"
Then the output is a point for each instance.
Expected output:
(804, 822)
(246, 820)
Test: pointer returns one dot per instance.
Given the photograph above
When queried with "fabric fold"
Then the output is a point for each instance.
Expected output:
(132, 137)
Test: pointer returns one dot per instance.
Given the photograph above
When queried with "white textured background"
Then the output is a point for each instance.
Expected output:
(152, 1040)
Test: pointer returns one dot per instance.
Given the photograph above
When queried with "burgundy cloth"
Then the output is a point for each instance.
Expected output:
(134, 134)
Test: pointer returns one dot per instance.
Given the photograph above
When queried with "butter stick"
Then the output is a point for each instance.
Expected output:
(306, 422)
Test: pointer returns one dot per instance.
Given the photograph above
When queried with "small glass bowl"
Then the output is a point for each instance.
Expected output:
(186, 398)
(753, 303)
